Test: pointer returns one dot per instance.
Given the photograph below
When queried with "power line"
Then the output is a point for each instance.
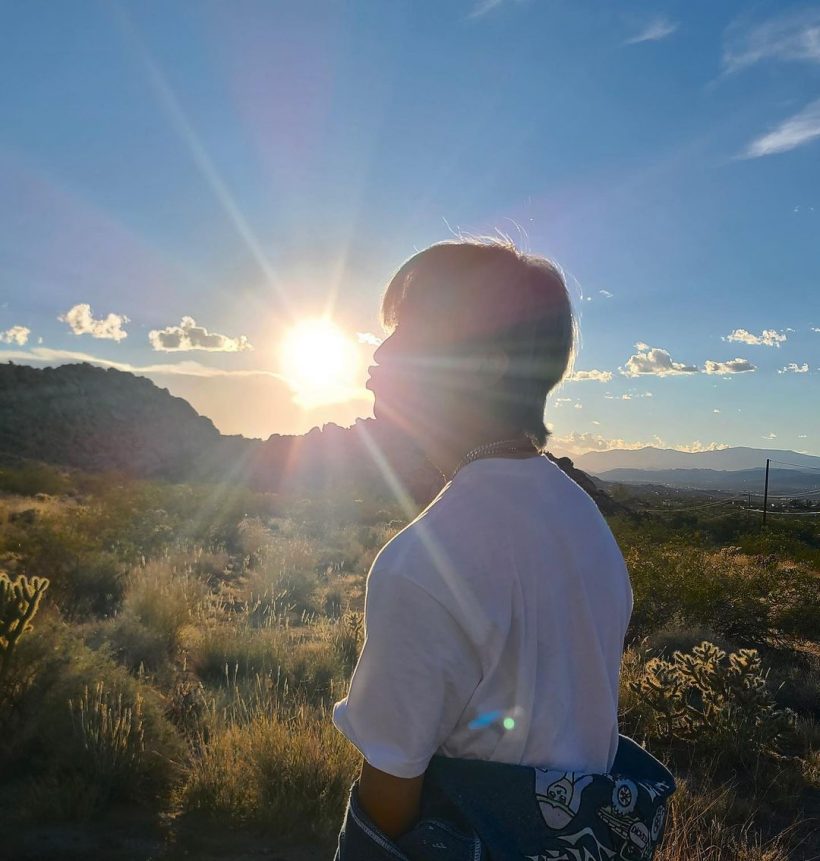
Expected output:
(696, 507)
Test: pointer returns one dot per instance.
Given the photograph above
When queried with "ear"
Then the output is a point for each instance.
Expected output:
(494, 364)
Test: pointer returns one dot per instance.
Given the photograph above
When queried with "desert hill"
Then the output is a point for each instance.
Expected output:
(99, 419)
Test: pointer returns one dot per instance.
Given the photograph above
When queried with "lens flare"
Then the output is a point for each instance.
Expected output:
(320, 363)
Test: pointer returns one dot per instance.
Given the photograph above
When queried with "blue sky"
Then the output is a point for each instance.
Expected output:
(247, 164)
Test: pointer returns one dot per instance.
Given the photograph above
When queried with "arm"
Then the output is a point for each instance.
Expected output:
(391, 802)
(415, 674)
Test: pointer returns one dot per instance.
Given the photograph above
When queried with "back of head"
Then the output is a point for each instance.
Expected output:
(491, 294)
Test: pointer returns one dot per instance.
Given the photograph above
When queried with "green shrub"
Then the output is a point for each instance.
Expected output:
(221, 654)
(28, 479)
(751, 600)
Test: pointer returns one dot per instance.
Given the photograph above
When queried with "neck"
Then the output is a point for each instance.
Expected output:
(446, 451)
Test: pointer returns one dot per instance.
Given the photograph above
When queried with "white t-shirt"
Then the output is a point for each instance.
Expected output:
(494, 628)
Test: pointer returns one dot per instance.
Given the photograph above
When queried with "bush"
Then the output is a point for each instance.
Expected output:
(291, 775)
(69, 716)
(751, 600)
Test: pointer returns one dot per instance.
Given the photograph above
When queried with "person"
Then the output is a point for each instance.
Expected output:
(495, 621)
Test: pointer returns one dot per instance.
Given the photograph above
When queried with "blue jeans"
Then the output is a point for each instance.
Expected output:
(472, 810)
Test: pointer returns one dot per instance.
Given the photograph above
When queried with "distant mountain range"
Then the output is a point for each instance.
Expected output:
(781, 481)
(651, 458)
(101, 419)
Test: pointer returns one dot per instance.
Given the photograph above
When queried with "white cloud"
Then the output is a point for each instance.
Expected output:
(800, 129)
(715, 411)
(82, 322)
(815, 329)
(628, 396)
(697, 446)
(769, 436)
(793, 37)
(578, 443)
(654, 31)
(654, 361)
(794, 368)
(15, 335)
(733, 366)
(578, 406)
(768, 338)
(189, 336)
(802, 436)
(598, 376)
(368, 338)
(606, 294)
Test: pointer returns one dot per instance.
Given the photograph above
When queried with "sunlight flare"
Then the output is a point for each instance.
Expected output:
(320, 363)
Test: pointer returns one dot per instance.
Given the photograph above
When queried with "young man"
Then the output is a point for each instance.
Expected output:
(495, 621)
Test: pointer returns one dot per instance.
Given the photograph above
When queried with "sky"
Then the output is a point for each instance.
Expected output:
(184, 185)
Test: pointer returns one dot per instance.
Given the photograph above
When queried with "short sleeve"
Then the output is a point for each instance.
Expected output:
(415, 676)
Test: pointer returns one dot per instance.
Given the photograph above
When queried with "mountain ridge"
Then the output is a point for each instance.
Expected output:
(97, 419)
(727, 459)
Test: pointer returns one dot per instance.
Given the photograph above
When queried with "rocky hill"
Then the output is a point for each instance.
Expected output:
(101, 419)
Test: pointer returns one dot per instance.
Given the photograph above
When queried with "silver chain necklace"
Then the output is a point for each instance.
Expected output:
(504, 446)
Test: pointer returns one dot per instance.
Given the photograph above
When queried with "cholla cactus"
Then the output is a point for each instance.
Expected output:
(19, 600)
(702, 695)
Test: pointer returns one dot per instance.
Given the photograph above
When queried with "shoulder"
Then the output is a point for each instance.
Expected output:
(446, 528)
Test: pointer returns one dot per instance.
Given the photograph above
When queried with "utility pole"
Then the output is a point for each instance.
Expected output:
(765, 491)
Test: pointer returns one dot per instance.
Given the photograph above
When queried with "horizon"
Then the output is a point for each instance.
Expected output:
(187, 215)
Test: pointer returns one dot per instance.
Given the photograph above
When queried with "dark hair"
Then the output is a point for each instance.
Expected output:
(494, 294)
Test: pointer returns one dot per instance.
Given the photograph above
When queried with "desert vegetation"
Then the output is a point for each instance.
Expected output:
(175, 649)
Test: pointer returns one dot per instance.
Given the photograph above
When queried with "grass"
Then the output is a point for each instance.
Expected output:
(192, 641)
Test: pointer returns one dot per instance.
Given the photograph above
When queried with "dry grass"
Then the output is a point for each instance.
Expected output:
(290, 775)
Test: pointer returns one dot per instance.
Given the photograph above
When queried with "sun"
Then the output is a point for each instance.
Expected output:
(320, 362)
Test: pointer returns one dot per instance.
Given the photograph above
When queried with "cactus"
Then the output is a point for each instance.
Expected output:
(701, 694)
(19, 600)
